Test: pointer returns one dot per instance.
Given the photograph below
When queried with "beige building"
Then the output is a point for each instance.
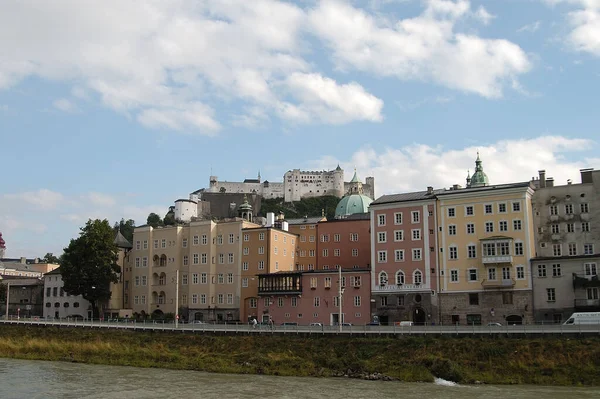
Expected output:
(306, 229)
(264, 250)
(200, 260)
(486, 241)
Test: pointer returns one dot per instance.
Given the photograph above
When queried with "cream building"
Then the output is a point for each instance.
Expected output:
(486, 242)
(200, 260)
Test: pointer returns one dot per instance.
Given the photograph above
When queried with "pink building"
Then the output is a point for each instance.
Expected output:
(404, 260)
(313, 297)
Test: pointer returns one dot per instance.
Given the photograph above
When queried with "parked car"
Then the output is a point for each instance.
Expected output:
(494, 324)
(316, 325)
(289, 323)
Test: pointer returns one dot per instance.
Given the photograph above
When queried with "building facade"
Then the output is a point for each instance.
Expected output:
(306, 251)
(344, 243)
(405, 269)
(486, 241)
(567, 247)
(58, 304)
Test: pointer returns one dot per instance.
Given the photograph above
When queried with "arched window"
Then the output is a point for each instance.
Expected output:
(163, 260)
(383, 278)
(66, 304)
(76, 304)
(417, 277)
(155, 261)
(161, 298)
(57, 304)
(162, 279)
(48, 304)
(400, 278)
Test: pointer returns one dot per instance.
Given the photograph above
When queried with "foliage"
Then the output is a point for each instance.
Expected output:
(89, 263)
(50, 258)
(2, 292)
(154, 220)
(169, 219)
(306, 207)
(126, 227)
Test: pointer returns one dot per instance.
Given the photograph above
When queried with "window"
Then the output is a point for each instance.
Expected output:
(518, 249)
(502, 208)
(353, 236)
(261, 250)
(336, 252)
(294, 301)
(219, 239)
(253, 303)
(570, 227)
(381, 220)
(451, 212)
(382, 256)
(245, 282)
(195, 259)
(279, 302)
(585, 227)
(416, 216)
(220, 298)
(557, 249)
(246, 237)
(400, 277)
(489, 227)
(572, 249)
(569, 209)
(453, 252)
(155, 244)
(317, 302)
(550, 294)
(541, 270)
(555, 229)
(553, 210)
(184, 279)
(336, 238)
(144, 280)
(399, 255)
(355, 281)
(261, 265)
(230, 258)
(471, 251)
(325, 252)
(506, 273)
(556, 272)
(416, 253)
(474, 299)
(204, 239)
(492, 273)
(488, 209)
(229, 278)
(145, 244)
(416, 234)
(592, 294)
(383, 278)
(138, 245)
(454, 276)
(469, 210)
(503, 225)
(417, 277)
(246, 251)
(489, 249)
(520, 273)
(355, 252)
(324, 237)
(311, 238)
(204, 259)
(588, 249)
(584, 208)
(137, 262)
(470, 228)
(231, 238)
(221, 259)
(163, 243)
(452, 230)
(516, 206)
(184, 243)
(401, 300)
(203, 278)
(398, 218)
(399, 235)
(357, 301)
(590, 269)
(311, 253)
(517, 225)
(381, 236)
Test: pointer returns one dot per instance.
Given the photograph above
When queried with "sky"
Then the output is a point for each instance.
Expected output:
(114, 109)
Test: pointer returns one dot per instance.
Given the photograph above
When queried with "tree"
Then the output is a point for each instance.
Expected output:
(89, 263)
(169, 219)
(50, 258)
(154, 220)
(2, 292)
(126, 228)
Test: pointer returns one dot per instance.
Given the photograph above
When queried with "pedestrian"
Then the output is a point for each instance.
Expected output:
(271, 323)
(254, 323)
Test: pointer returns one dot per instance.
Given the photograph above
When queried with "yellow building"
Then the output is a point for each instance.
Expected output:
(264, 250)
(486, 241)
(207, 258)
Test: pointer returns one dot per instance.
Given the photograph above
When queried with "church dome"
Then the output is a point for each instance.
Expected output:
(352, 204)
(479, 178)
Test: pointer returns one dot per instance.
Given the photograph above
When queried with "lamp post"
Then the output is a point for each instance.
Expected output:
(92, 308)
(176, 298)
(341, 292)
(7, 297)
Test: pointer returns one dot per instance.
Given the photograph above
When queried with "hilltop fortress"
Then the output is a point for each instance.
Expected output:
(221, 198)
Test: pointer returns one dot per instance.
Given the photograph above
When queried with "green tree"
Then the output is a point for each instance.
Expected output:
(2, 292)
(89, 263)
(154, 220)
(169, 219)
(50, 258)
(126, 227)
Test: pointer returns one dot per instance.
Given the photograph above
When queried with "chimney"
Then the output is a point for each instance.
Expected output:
(542, 178)
(456, 187)
(429, 190)
(270, 219)
(586, 175)
(569, 181)
(550, 182)
(23, 260)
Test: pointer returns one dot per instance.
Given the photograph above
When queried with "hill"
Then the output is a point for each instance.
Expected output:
(306, 207)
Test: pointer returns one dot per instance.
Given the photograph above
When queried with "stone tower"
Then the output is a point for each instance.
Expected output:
(2, 246)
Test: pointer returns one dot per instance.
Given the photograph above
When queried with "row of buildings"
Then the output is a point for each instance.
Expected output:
(511, 253)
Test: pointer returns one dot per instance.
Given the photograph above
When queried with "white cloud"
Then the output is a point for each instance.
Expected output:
(483, 15)
(416, 166)
(585, 23)
(425, 47)
(532, 27)
(43, 199)
(64, 105)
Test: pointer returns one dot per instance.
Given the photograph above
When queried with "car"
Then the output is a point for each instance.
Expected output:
(199, 322)
(289, 323)
(494, 324)
(316, 325)
(374, 323)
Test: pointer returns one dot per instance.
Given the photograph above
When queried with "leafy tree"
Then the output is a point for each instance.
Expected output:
(126, 227)
(169, 219)
(89, 263)
(50, 258)
(154, 220)
(2, 292)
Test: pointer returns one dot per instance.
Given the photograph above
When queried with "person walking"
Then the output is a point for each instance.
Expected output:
(254, 323)
(271, 323)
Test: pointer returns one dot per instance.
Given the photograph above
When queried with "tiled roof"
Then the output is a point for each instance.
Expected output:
(414, 196)
(486, 188)
(55, 271)
(122, 241)
(308, 220)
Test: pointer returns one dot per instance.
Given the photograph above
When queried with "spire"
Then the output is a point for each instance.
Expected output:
(338, 168)
(355, 177)
(479, 178)
(259, 175)
(468, 178)
(121, 242)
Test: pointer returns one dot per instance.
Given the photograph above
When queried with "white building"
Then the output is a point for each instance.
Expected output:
(58, 304)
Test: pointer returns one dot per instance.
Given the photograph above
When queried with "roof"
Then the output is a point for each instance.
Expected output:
(486, 188)
(351, 204)
(306, 220)
(186, 200)
(350, 218)
(414, 196)
(23, 280)
(355, 178)
(121, 241)
(496, 238)
(565, 257)
(251, 181)
(55, 271)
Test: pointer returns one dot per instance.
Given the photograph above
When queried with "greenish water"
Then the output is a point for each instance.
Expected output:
(38, 379)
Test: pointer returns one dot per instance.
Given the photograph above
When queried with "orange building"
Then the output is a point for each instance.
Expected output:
(306, 230)
(344, 243)
(264, 250)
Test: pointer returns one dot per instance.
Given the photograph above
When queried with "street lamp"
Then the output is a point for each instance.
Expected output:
(7, 297)
(92, 307)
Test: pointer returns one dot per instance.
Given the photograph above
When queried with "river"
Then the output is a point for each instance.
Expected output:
(34, 379)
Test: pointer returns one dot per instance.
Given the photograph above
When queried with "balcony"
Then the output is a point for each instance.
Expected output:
(507, 283)
(393, 288)
(280, 283)
(495, 260)
(583, 281)
(587, 305)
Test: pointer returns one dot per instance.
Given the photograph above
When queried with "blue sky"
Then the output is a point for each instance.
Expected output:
(116, 109)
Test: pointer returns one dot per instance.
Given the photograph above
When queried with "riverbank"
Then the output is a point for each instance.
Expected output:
(489, 360)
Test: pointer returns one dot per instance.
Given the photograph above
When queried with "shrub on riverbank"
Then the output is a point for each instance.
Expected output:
(490, 359)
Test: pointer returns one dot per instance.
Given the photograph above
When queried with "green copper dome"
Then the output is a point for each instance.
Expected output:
(351, 204)
(479, 178)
